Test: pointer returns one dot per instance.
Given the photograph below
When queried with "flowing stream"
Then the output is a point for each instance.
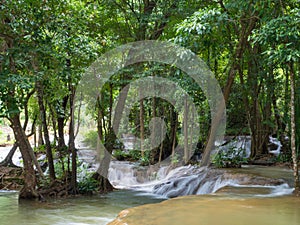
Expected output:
(250, 195)
(92, 210)
(246, 196)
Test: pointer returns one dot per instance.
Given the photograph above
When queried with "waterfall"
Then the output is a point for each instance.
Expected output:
(240, 143)
(188, 180)
(122, 175)
(277, 143)
(244, 143)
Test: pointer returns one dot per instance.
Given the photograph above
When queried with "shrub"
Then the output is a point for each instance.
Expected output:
(88, 185)
(135, 155)
(230, 158)
(120, 155)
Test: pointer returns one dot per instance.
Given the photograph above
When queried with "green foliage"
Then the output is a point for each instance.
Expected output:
(41, 149)
(202, 22)
(88, 185)
(120, 155)
(175, 159)
(297, 115)
(230, 158)
(91, 138)
(284, 158)
(146, 159)
(58, 167)
(281, 36)
(133, 155)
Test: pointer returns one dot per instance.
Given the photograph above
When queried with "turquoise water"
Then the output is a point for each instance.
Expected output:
(88, 210)
(243, 205)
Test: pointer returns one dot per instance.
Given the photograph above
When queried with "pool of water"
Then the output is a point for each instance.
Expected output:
(215, 210)
(87, 210)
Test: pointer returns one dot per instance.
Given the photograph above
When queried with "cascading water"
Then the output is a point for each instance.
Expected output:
(189, 180)
(276, 143)
(242, 144)
(185, 180)
(123, 174)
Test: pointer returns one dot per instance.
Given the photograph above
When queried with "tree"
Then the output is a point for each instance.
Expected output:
(281, 35)
(43, 49)
(223, 29)
(17, 85)
(133, 21)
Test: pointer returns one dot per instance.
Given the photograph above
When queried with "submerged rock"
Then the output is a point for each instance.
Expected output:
(208, 210)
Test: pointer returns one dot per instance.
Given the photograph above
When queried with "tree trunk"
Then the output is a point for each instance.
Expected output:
(61, 123)
(49, 155)
(185, 131)
(72, 148)
(8, 159)
(174, 124)
(102, 171)
(153, 135)
(40, 135)
(246, 30)
(293, 133)
(60, 131)
(161, 143)
(53, 120)
(78, 116)
(99, 119)
(29, 189)
(142, 127)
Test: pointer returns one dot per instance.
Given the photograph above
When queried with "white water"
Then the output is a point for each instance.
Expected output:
(189, 180)
(167, 182)
(243, 144)
(275, 141)
(17, 158)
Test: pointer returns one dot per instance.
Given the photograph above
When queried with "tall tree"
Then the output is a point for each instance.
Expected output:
(281, 35)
